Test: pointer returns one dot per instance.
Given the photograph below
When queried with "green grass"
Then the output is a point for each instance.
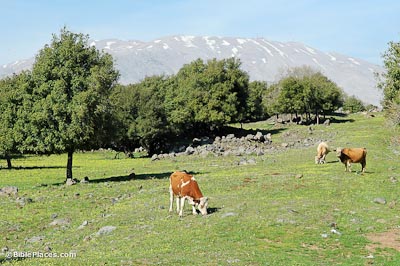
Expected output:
(262, 214)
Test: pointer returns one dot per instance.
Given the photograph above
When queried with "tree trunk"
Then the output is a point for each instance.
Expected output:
(9, 165)
(69, 164)
(317, 116)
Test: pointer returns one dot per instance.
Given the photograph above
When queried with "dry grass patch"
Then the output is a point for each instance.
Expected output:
(389, 239)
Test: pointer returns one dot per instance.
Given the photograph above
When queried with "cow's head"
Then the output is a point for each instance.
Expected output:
(338, 151)
(203, 205)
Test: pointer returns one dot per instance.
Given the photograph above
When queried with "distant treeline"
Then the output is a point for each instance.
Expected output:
(71, 100)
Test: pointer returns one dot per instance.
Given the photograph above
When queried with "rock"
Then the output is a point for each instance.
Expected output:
(34, 239)
(58, 222)
(70, 182)
(259, 137)
(23, 201)
(85, 180)
(155, 157)
(298, 176)
(106, 230)
(189, 150)
(334, 231)
(380, 201)
(285, 145)
(327, 122)
(9, 191)
(249, 137)
(87, 238)
(230, 136)
(83, 225)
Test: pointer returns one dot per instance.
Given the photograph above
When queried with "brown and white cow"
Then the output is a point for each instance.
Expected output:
(352, 155)
(322, 151)
(184, 186)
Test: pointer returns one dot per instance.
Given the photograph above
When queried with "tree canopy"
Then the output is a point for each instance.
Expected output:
(304, 91)
(69, 96)
(390, 82)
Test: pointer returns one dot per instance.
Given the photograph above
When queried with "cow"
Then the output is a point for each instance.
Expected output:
(352, 155)
(184, 186)
(322, 151)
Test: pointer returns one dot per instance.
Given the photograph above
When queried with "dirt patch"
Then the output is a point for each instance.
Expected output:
(389, 239)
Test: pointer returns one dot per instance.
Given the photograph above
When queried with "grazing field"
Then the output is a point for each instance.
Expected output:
(282, 210)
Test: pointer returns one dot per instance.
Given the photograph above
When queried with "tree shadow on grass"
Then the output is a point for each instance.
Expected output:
(33, 167)
(129, 177)
(132, 177)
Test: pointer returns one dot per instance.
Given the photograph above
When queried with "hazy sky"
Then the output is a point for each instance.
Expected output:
(357, 28)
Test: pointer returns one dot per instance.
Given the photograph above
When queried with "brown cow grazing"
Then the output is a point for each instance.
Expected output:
(352, 155)
(322, 151)
(184, 186)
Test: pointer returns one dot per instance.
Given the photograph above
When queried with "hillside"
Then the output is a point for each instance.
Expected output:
(282, 209)
(262, 59)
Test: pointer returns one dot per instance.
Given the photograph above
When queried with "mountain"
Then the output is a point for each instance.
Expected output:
(262, 59)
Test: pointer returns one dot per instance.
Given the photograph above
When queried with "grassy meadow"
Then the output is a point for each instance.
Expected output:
(283, 210)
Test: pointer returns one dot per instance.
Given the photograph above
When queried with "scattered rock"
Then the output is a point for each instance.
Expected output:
(155, 157)
(87, 238)
(189, 150)
(61, 221)
(85, 180)
(298, 176)
(70, 181)
(83, 225)
(23, 201)
(9, 191)
(336, 232)
(106, 230)
(380, 201)
(34, 239)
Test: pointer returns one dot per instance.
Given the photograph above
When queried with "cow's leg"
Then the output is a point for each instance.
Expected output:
(171, 198)
(182, 205)
(178, 204)
(349, 166)
(323, 159)
(194, 210)
(363, 164)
